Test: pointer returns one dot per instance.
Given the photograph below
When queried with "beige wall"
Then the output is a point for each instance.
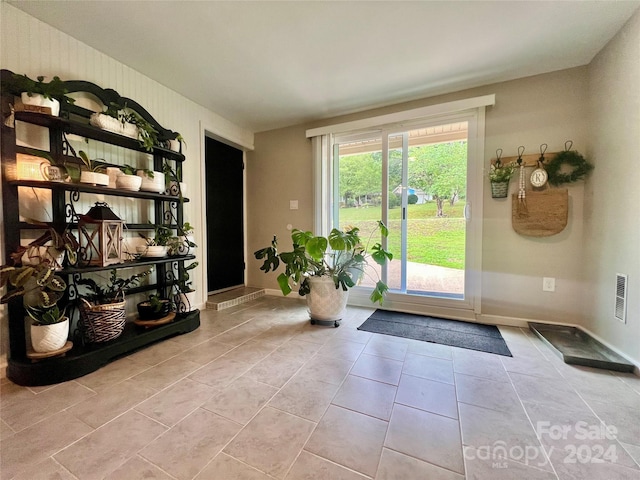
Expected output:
(548, 109)
(612, 221)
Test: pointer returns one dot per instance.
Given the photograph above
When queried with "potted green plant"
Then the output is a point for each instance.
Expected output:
(103, 308)
(158, 245)
(499, 176)
(38, 92)
(186, 293)
(94, 173)
(50, 247)
(154, 308)
(324, 268)
(183, 242)
(41, 290)
(124, 121)
(49, 328)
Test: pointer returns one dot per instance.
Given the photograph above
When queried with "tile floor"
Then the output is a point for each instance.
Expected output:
(258, 393)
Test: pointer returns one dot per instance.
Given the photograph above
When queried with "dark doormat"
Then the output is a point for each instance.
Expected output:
(473, 336)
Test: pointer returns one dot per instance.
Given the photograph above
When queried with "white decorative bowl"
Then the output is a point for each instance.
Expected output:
(129, 182)
(153, 251)
(155, 184)
(94, 178)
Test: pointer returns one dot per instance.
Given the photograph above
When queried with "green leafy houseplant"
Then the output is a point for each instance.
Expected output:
(161, 237)
(91, 165)
(336, 256)
(114, 290)
(184, 283)
(39, 284)
(147, 134)
(53, 90)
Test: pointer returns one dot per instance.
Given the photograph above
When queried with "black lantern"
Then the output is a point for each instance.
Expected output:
(100, 232)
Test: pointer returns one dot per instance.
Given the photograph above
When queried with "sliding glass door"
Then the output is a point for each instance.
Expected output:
(415, 178)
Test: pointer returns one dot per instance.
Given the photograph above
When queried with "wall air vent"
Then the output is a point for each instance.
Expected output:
(621, 297)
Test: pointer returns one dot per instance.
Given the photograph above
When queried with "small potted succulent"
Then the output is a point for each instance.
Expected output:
(49, 328)
(158, 245)
(41, 290)
(128, 180)
(154, 308)
(94, 173)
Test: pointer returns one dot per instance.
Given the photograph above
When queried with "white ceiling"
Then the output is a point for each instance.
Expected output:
(266, 64)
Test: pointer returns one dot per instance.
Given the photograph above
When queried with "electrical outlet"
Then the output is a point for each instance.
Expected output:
(548, 284)
(293, 204)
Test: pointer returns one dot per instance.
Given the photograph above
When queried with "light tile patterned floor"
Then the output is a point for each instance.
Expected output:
(258, 393)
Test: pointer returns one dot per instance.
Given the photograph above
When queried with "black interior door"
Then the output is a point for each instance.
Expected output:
(225, 223)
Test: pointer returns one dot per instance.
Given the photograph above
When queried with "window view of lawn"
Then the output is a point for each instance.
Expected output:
(431, 240)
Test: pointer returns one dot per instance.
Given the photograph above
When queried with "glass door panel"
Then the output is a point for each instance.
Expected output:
(428, 180)
(358, 168)
(422, 200)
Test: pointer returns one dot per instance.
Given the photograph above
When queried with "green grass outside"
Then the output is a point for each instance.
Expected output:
(431, 240)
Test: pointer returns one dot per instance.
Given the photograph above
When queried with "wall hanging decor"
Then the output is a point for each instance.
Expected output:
(546, 213)
(578, 164)
(499, 176)
(539, 176)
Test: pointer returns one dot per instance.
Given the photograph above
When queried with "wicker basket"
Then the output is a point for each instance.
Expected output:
(101, 323)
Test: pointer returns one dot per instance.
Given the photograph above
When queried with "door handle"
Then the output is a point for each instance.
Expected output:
(404, 213)
(467, 212)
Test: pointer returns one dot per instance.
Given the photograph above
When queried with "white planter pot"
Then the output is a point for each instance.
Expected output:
(113, 173)
(325, 302)
(129, 182)
(94, 178)
(155, 184)
(38, 100)
(155, 251)
(187, 301)
(174, 145)
(49, 338)
(113, 125)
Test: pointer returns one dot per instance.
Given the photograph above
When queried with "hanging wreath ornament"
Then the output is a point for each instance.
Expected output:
(580, 167)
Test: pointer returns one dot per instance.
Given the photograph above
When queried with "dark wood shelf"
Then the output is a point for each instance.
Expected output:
(94, 133)
(86, 188)
(84, 359)
(130, 264)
